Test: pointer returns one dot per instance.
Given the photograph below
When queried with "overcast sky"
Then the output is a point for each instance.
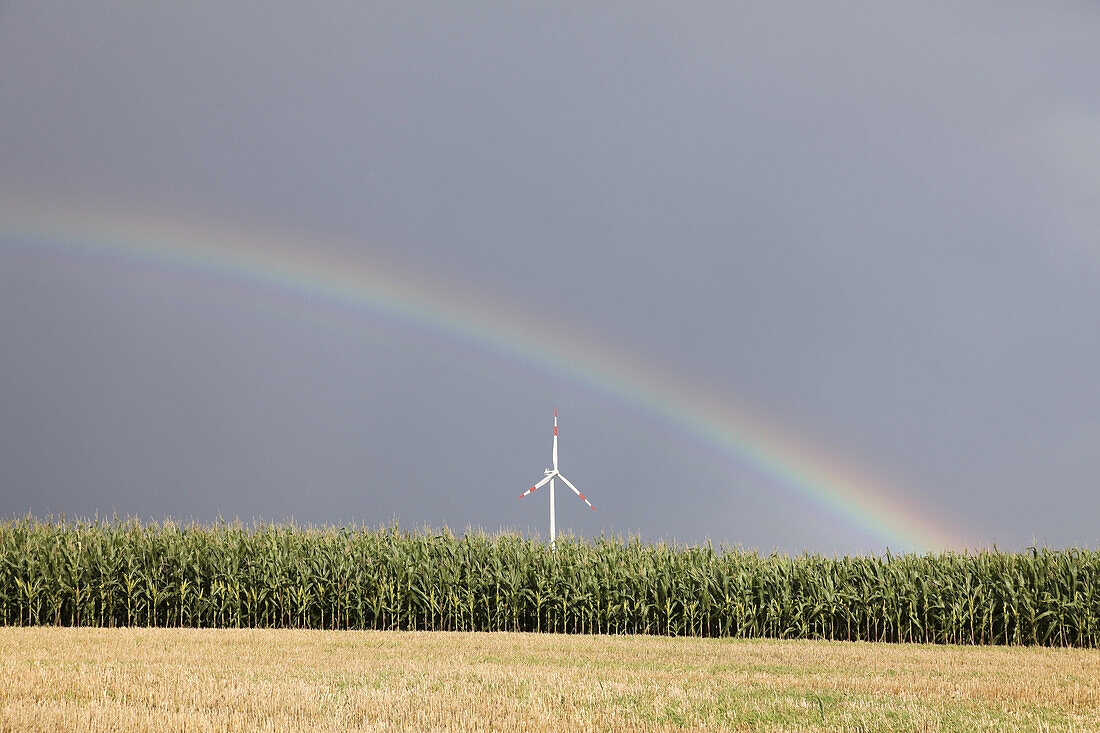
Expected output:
(876, 223)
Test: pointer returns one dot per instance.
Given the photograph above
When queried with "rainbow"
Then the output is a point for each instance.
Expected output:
(299, 270)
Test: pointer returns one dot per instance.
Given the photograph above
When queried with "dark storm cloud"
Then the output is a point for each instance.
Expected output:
(876, 223)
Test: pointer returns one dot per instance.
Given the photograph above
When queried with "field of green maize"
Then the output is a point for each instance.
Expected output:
(229, 575)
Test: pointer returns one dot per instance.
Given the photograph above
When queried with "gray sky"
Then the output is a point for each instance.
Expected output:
(878, 225)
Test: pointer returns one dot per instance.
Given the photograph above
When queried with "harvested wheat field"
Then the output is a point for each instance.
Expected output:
(190, 679)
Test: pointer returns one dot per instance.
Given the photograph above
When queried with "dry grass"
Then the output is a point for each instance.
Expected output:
(194, 680)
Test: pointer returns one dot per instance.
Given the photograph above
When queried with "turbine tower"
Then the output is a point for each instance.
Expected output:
(551, 474)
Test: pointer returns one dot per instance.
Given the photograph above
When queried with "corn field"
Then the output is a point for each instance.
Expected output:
(229, 575)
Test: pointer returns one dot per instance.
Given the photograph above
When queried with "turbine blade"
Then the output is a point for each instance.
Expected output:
(555, 440)
(540, 483)
(586, 501)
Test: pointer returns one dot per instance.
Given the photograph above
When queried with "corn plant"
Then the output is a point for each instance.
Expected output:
(125, 573)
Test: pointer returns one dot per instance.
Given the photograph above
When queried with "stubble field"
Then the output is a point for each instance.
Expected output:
(249, 679)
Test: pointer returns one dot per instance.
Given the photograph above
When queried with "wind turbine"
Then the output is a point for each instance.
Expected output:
(551, 474)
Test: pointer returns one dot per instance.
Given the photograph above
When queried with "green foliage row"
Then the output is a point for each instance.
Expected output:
(128, 573)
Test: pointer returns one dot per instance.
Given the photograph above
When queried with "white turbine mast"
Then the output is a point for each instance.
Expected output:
(551, 474)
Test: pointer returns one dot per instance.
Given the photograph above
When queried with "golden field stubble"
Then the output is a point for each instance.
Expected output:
(187, 679)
